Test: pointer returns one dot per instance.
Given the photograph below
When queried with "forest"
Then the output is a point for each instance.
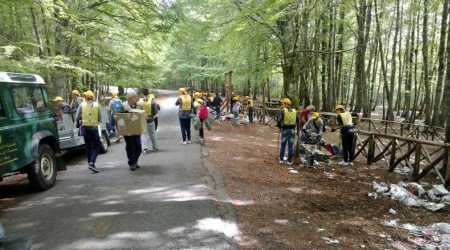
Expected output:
(392, 54)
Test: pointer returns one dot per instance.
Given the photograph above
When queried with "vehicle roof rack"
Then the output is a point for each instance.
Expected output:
(10, 77)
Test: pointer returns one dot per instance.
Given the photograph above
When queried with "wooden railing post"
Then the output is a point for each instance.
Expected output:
(401, 129)
(371, 150)
(446, 166)
(393, 151)
(416, 168)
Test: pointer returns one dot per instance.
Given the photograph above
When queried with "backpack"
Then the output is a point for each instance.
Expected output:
(116, 106)
(203, 113)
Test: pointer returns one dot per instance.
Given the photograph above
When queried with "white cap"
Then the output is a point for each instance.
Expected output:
(131, 93)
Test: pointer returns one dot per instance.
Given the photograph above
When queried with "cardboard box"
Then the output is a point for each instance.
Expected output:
(133, 123)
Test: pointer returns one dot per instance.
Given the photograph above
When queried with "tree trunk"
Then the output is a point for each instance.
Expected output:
(441, 66)
(446, 106)
(363, 20)
(426, 80)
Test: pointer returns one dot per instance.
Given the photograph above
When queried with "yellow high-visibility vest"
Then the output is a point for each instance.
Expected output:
(347, 119)
(290, 117)
(89, 115)
(250, 103)
(147, 105)
(186, 103)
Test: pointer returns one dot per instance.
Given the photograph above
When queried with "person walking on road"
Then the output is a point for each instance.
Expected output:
(76, 100)
(148, 104)
(186, 106)
(89, 114)
(345, 122)
(202, 113)
(133, 144)
(115, 106)
(287, 124)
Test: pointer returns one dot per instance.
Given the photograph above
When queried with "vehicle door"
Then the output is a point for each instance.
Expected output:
(8, 146)
(33, 118)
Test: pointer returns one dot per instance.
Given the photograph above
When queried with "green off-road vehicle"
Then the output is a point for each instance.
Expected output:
(28, 131)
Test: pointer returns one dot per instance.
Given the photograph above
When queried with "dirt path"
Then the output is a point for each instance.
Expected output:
(279, 210)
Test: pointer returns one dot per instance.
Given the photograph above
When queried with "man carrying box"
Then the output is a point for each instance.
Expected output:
(133, 142)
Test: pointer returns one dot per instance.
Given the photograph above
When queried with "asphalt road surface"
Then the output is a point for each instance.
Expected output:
(169, 203)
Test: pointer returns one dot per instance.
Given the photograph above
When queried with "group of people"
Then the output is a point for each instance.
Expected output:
(239, 104)
(88, 119)
(308, 123)
(195, 106)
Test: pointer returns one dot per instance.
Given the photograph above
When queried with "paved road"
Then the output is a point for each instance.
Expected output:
(166, 204)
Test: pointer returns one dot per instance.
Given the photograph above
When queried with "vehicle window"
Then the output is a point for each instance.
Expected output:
(2, 111)
(28, 99)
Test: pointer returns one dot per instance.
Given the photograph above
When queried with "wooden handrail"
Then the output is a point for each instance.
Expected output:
(403, 138)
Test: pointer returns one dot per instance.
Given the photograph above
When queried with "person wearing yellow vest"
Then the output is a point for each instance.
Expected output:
(150, 108)
(345, 122)
(250, 108)
(89, 114)
(287, 123)
(185, 104)
(76, 100)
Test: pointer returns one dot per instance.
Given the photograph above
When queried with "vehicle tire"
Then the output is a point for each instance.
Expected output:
(104, 143)
(42, 173)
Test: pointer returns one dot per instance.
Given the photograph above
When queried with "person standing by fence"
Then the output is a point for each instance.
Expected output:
(216, 104)
(345, 121)
(184, 102)
(287, 124)
(250, 108)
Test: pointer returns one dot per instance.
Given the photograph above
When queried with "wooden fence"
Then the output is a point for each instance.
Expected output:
(420, 156)
(419, 148)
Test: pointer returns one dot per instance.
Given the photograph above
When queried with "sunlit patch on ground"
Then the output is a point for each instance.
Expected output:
(230, 229)
(105, 214)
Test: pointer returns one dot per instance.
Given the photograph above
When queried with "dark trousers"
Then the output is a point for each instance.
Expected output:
(156, 122)
(217, 110)
(250, 114)
(185, 124)
(201, 132)
(92, 141)
(112, 125)
(133, 148)
(348, 144)
(287, 139)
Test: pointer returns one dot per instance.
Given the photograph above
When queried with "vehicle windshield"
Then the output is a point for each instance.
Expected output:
(28, 99)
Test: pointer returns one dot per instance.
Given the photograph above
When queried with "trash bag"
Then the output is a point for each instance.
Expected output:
(209, 122)
(197, 123)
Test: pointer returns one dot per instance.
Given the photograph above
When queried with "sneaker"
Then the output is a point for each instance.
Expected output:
(290, 163)
(155, 149)
(350, 164)
(93, 169)
(137, 166)
(281, 162)
(133, 167)
(189, 142)
(342, 163)
(184, 142)
(202, 141)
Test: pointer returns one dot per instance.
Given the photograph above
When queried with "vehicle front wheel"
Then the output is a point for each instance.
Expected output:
(42, 174)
